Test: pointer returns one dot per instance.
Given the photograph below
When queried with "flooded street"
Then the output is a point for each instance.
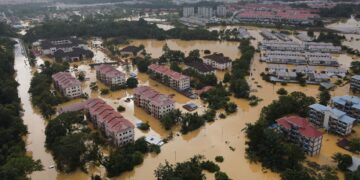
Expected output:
(213, 139)
(32, 119)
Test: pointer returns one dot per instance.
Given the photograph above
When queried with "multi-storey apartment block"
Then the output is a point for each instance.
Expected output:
(331, 119)
(112, 123)
(218, 61)
(68, 85)
(205, 12)
(349, 104)
(169, 77)
(355, 83)
(110, 76)
(299, 130)
(153, 102)
(188, 11)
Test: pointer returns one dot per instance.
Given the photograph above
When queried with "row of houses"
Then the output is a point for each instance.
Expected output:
(300, 60)
(67, 85)
(105, 118)
(65, 49)
(169, 77)
(153, 102)
(200, 67)
(276, 45)
(329, 71)
(110, 76)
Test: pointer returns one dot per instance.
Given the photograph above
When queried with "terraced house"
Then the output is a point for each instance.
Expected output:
(68, 85)
(331, 119)
(169, 77)
(110, 76)
(153, 102)
(298, 130)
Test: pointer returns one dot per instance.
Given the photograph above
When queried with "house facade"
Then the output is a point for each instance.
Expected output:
(153, 102)
(68, 85)
(298, 130)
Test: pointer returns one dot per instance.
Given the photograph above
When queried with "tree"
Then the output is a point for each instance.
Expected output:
(240, 87)
(104, 91)
(174, 66)
(230, 108)
(324, 97)
(131, 82)
(142, 65)
(343, 161)
(227, 77)
(355, 67)
(209, 166)
(121, 108)
(221, 176)
(219, 159)
(170, 119)
(194, 56)
(281, 91)
(81, 76)
(354, 145)
(295, 174)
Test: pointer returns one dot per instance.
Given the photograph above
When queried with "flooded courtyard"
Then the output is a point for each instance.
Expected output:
(214, 139)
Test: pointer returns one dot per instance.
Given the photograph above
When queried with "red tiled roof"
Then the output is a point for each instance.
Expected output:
(305, 128)
(153, 96)
(109, 71)
(167, 71)
(65, 80)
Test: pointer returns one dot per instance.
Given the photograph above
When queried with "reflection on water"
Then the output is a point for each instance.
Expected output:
(211, 140)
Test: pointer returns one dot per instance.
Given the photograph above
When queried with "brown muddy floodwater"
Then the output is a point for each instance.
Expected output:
(154, 47)
(211, 140)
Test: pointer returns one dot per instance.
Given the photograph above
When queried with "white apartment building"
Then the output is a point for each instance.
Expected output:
(205, 12)
(169, 77)
(188, 11)
(221, 11)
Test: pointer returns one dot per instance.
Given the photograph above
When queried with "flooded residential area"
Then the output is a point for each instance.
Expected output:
(90, 71)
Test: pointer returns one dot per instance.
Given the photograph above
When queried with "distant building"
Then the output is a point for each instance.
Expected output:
(221, 11)
(169, 77)
(131, 50)
(348, 104)
(331, 119)
(355, 83)
(110, 76)
(201, 68)
(298, 130)
(153, 102)
(205, 12)
(188, 11)
(218, 61)
(50, 46)
(65, 49)
(68, 85)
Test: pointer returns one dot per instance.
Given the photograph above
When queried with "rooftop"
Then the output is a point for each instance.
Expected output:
(305, 128)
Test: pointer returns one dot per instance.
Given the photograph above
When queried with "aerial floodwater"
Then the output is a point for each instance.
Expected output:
(122, 87)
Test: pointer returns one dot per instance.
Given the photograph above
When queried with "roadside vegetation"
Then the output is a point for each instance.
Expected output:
(14, 163)
(190, 169)
(40, 88)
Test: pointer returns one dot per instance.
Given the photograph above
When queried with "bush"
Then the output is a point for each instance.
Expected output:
(144, 126)
(222, 116)
(230, 108)
(221, 176)
(281, 91)
(219, 159)
(209, 166)
(121, 108)
(104, 91)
